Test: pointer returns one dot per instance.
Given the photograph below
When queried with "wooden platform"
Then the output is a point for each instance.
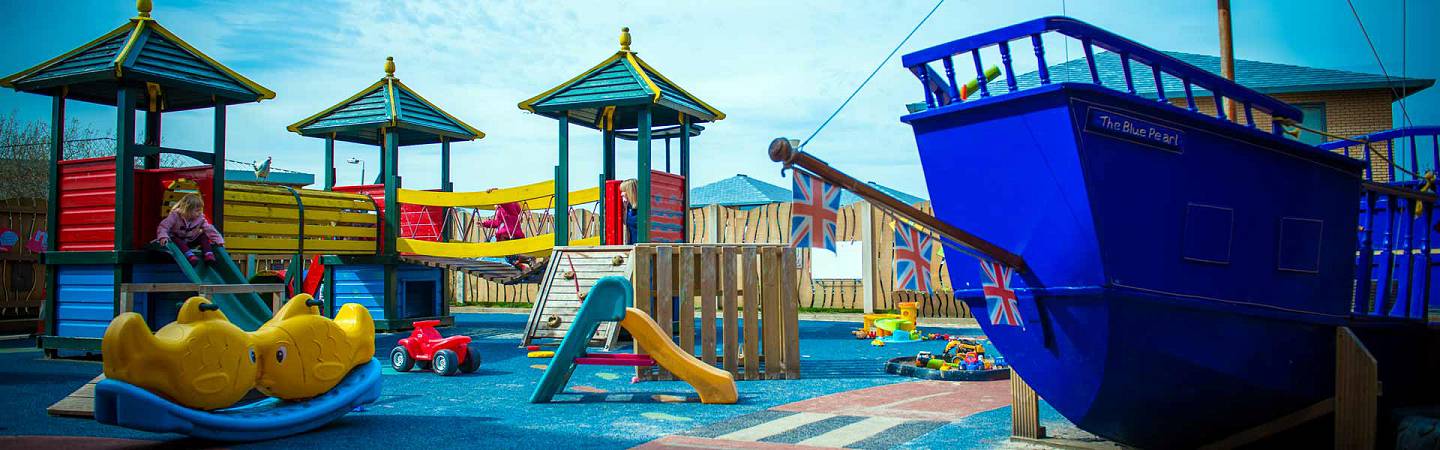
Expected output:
(570, 273)
(80, 403)
(495, 271)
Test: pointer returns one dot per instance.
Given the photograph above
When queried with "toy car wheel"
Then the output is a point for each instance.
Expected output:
(400, 359)
(446, 363)
(472, 359)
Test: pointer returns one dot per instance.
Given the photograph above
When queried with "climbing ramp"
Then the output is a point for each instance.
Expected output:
(570, 273)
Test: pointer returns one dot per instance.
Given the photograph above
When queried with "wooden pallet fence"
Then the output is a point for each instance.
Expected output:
(22, 277)
(748, 291)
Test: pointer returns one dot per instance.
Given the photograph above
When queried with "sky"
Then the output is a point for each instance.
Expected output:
(775, 68)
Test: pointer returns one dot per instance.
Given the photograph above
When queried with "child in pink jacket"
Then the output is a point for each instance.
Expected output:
(186, 227)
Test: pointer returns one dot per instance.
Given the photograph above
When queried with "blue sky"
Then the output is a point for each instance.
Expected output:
(775, 68)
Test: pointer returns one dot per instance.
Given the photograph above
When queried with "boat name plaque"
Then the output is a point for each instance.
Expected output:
(1139, 131)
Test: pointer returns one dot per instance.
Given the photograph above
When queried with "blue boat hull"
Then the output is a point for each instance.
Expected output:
(1186, 275)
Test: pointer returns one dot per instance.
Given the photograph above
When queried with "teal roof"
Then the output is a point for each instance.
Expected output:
(138, 53)
(1263, 77)
(387, 103)
(847, 197)
(739, 190)
(608, 95)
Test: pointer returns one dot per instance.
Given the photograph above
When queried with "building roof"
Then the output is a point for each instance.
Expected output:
(292, 179)
(388, 103)
(607, 95)
(140, 52)
(847, 197)
(739, 190)
(1263, 77)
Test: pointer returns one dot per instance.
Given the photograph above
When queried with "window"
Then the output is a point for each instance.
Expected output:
(1314, 120)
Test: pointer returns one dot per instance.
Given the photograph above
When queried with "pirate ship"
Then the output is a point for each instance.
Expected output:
(1161, 276)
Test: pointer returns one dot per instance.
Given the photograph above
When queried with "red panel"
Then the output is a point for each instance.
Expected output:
(150, 186)
(615, 210)
(416, 221)
(667, 207)
(87, 204)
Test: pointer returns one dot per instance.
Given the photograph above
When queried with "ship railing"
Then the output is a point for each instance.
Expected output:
(1394, 265)
(942, 90)
(1400, 157)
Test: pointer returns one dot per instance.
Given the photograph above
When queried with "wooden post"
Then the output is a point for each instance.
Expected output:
(730, 317)
(124, 168)
(1024, 409)
(867, 263)
(152, 138)
(665, 296)
(685, 173)
(445, 184)
(712, 224)
(686, 328)
(1357, 389)
(217, 204)
(770, 317)
(1227, 53)
(642, 175)
(561, 218)
(751, 324)
(789, 304)
(708, 282)
(330, 162)
(390, 161)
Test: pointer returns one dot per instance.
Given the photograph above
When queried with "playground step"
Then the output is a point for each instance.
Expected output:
(80, 403)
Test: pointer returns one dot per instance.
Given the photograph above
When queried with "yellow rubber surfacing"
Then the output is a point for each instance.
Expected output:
(533, 196)
(532, 246)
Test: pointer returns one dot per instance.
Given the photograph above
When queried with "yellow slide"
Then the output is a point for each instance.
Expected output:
(713, 384)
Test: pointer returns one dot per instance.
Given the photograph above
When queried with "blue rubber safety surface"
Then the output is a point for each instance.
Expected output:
(491, 407)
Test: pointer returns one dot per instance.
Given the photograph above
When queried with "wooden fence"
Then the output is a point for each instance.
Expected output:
(770, 224)
(22, 277)
(749, 289)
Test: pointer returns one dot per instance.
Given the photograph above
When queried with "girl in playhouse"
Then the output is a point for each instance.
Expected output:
(187, 227)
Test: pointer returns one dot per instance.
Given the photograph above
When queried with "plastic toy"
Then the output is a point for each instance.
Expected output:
(443, 355)
(607, 302)
(166, 362)
(302, 354)
(908, 320)
(179, 379)
(540, 354)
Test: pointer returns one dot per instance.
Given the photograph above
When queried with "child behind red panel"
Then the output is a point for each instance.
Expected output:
(187, 227)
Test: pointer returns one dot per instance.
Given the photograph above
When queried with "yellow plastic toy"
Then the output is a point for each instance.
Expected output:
(302, 354)
(201, 360)
(909, 317)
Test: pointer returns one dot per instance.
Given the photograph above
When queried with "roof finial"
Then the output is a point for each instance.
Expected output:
(144, 7)
(625, 39)
(390, 66)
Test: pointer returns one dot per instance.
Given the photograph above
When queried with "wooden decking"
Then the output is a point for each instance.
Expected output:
(80, 403)
(495, 271)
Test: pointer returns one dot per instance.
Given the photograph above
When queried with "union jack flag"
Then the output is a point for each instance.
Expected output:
(813, 212)
(912, 258)
(999, 295)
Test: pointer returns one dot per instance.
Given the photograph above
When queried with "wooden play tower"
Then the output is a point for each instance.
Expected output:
(625, 97)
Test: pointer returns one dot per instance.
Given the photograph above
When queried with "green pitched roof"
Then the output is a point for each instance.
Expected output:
(615, 89)
(140, 51)
(1263, 77)
(387, 103)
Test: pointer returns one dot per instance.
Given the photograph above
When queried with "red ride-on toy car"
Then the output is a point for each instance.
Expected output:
(442, 355)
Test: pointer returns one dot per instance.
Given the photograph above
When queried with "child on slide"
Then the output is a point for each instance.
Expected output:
(506, 223)
(187, 227)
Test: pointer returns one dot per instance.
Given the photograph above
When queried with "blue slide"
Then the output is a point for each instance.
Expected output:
(123, 404)
(247, 311)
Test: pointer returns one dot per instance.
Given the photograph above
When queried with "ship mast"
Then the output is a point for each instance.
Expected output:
(1227, 52)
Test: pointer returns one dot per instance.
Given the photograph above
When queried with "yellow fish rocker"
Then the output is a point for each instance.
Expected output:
(201, 360)
(303, 354)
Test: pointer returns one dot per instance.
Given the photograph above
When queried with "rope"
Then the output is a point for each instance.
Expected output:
(1361, 140)
(1403, 111)
(872, 74)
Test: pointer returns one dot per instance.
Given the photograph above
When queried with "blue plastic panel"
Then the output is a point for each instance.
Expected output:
(85, 300)
(363, 284)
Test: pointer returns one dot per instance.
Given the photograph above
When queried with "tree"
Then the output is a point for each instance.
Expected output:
(25, 153)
